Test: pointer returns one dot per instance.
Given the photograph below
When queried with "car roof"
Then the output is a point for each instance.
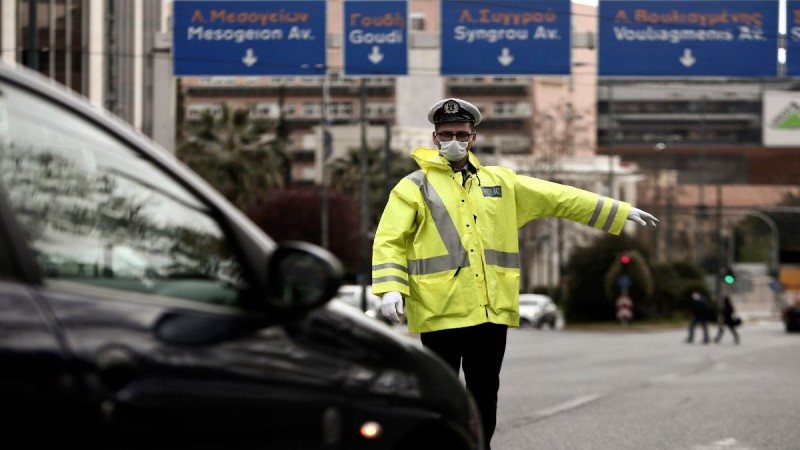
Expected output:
(534, 297)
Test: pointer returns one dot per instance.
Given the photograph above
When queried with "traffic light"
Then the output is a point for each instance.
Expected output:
(625, 260)
(729, 277)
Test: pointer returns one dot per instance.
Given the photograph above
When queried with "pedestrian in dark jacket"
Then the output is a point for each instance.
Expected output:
(729, 320)
(699, 309)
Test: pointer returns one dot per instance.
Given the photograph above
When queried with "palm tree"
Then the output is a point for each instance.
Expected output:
(231, 153)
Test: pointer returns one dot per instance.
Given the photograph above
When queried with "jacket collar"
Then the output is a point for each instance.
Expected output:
(430, 158)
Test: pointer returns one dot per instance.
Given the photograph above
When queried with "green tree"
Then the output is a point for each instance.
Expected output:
(345, 173)
(593, 273)
(295, 213)
(230, 152)
(674, 284)
(658, 291)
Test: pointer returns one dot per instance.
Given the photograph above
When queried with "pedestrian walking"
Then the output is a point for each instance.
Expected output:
(729, 319)
(699, 315)
(447, 244)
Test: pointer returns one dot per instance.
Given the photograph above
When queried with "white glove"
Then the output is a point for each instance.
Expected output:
(391, 304)
(639, 216)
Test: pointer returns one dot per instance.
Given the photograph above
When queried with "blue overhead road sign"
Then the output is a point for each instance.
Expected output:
(792, 38)
(734, 38)
(375, 37)
(493, 37)
(249, 37)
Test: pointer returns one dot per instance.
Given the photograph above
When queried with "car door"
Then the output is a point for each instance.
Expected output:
(36, 384)
(153, 293)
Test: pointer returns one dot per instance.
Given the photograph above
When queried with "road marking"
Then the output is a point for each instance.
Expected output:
(571, 404)
(724, 444)
(665, 378)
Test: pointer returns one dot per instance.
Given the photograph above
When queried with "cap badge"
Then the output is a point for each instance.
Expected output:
(451, 107)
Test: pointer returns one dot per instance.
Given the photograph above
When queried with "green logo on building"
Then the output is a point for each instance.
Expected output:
(788, 119)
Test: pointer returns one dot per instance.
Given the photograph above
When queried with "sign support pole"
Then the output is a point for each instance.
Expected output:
(326, 153)
(611, 138)
(365, 257)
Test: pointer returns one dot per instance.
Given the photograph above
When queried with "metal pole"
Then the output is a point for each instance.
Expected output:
(111, 61)
(658, 148)
(364, 196)
(718, 239)
(387, 178)
(701, 207)
(33, 35)
(670, 208)
(327, 144)
(611, 139)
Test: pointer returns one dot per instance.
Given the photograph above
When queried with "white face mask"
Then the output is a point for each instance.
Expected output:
(453, 150)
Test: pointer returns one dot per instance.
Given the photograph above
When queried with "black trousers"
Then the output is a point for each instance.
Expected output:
(480, 350)
(721, 331)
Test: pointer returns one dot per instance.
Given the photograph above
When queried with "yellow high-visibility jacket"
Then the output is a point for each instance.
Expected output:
(452, 251)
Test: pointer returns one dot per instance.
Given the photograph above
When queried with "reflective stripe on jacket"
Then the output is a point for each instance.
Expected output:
(453, 251)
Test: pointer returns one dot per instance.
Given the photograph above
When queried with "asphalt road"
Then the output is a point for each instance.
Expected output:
(650, 390)
(619, 390)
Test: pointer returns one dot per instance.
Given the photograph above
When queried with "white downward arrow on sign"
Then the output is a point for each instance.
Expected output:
(249, 59)
(505, 57)
(687, 59)
(376, 56)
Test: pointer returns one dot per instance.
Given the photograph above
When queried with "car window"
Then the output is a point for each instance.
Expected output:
(97, 213)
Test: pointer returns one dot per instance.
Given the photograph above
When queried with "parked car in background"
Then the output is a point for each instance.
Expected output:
(140, 309)
(536, 310)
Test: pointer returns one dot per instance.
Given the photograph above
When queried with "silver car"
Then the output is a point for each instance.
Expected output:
(536, 310)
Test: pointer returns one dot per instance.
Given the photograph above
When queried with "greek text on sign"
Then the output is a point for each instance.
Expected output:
(213, 28)
(479, 28)
(359, 36)
(268, 37)
(744, 26)
(688, 38)
(510, 37)
(375, 37)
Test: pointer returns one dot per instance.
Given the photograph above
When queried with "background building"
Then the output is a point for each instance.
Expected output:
(680, 148)
(104, 49)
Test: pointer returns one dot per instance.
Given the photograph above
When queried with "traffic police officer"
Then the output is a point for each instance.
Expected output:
(447, 242)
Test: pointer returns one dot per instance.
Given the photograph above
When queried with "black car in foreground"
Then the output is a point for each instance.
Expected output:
(139, 309)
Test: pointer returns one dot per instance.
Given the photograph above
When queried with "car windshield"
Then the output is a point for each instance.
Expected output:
(530, 301)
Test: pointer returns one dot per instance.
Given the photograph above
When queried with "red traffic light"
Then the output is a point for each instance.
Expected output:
(625, 259)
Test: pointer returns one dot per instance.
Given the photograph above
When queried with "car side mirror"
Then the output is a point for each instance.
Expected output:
(301, 276)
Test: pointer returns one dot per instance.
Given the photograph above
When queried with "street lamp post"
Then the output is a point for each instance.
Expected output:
(658, 148)
(365, 256)
(327, 149)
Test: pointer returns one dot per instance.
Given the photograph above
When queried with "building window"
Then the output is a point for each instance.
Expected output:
(505, 108)
(416, 21)
(57, 47)
(312, 109)
(341, 110)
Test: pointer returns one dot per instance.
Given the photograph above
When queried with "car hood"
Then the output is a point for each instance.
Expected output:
(380, 361)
